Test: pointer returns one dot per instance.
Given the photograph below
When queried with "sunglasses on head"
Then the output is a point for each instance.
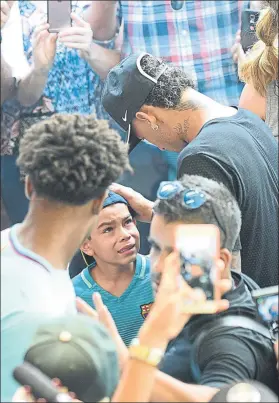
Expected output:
(192, 199)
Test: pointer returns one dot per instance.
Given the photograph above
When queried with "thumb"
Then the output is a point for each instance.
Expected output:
(53, 38)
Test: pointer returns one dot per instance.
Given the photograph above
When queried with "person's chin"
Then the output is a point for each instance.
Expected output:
(126, 258)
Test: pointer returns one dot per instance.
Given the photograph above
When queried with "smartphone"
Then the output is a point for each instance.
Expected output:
(249, 19)
(59, 14)
(267, 303)
(199, 249)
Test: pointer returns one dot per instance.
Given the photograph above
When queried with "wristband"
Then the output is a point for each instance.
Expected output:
(151, 356)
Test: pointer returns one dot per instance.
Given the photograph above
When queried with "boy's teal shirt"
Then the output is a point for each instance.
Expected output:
(131, 308)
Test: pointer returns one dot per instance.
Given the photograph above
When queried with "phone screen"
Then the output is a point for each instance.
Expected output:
(199, 248)
(59, 14)
(268, 308)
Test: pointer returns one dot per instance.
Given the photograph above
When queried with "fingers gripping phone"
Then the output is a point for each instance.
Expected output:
(249, 19)
(199, 248)
(59, 14)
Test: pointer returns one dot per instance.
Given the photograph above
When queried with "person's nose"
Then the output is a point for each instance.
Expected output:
(124, 234)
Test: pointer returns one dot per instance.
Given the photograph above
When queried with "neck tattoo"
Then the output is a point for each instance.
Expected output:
(182, 130)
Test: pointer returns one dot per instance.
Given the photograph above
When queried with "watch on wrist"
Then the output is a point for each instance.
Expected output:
(149, 355)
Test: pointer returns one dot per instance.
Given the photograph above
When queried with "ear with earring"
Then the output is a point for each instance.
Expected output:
(154, 127)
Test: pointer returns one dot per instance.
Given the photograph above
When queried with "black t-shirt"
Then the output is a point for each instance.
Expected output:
(228, 354)
(241, 152)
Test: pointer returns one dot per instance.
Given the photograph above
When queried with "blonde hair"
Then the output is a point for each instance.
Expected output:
(260, 66)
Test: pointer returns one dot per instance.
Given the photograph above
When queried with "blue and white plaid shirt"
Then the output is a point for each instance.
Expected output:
(198, 38)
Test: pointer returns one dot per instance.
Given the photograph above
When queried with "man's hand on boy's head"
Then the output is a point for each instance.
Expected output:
(142, 206)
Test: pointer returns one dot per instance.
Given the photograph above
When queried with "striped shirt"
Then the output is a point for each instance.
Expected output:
(198, 39)
(131, 308)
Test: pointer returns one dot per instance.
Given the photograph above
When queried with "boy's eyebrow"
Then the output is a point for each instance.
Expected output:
(112, 221)
(105, 224)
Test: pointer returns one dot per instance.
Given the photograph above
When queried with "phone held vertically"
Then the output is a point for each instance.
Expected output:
(267, 304)
(199, 248)
(59, 14)
(249, 19)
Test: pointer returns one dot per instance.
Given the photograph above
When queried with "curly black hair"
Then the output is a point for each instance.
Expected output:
(72, 159)
(172, 83)
(220, 208)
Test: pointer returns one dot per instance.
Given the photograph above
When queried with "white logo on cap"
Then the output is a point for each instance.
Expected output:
(125, 117)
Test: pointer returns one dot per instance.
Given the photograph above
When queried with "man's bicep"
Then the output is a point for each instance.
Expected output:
(225, 359)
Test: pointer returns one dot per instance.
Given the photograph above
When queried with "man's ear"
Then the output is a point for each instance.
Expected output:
(226, 256)
(143, 117)
(28, 188)
(86, 248)
(147, 114)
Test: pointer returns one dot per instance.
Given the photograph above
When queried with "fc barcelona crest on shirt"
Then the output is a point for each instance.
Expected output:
(145, 310)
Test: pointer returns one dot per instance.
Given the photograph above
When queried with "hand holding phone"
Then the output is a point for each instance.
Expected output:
(78, 36)
(199, 248)
(249, 19)
(44, 47)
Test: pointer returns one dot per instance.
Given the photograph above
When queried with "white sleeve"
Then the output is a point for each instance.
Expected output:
(12, 44)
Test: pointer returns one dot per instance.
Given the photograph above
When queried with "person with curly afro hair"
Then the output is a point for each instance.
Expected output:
(69, 162)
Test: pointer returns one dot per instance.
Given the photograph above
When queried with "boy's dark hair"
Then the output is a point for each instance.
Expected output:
(72, 159)
(172, 83)
(220, 209)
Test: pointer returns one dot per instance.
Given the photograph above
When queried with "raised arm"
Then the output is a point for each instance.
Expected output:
(7, 81)
(102, 17)
(31, 86)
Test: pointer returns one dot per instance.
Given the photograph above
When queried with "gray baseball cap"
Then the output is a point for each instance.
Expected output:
(80, 352)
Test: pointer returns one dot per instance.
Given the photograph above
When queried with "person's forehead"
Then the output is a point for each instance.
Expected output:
(162, 232)
(113, 212)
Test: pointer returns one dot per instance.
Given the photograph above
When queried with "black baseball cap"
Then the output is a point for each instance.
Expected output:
(247, 391)
(80, 352)
(125, 90)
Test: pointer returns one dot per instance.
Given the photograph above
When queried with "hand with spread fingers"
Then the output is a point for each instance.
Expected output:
(5, 11)
(175, 303)
(104, 316)
(44, 47)
(78, 36)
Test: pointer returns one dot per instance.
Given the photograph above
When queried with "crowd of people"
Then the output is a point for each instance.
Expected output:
(140, 130)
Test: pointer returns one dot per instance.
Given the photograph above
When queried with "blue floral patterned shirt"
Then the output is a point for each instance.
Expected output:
(72, 85)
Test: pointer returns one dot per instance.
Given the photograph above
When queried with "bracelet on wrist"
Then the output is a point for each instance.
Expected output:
(149, 355)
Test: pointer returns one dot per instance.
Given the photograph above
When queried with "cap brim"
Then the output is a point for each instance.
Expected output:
(131, 139)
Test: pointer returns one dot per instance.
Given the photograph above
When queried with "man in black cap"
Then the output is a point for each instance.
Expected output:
(157, 102)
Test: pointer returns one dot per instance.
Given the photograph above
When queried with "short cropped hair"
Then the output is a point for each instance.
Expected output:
(167, 93)
(220, 209)
(72, 159)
